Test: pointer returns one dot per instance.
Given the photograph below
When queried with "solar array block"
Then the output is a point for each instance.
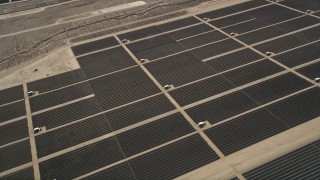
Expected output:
(260, 35)
(222, 108)
(216, 48)
(60, 96)
(178, 24)
(202, 39)
(298, 109)
(160, 51)
(13, 131)
(311, 71)
(57, 81)
(311, 34)
(245, 27)
(173, 160)
(66, 114)
(65, 137)
(273, 14)
(81, 161)
(25, 174)
(122, 87)
(299, 23)
(200, 90)
(252, 72)
(4, 1)
(190, 31)
(12, 111)
(150, 43)
(153, 134)
(94, 46)
(11, 94)
(302, 5)
(275, 88)
(244, 131)
(139, 111)
(233, 60)
(281, 44)
(121, 171)
(15, 155)
(303, 163)
(230, 20)
(105, 62)
(300, 55)
(179, 69)
(140, 33)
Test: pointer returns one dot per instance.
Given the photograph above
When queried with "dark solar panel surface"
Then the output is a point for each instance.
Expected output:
(71, 135)
(179, 69)
(94, 46)
(302, 5)
(60, 96)
(15, 155)
(56, 81)
(81, 161)
(129, 116)
(105, 62)
(303, 163)
(11, 94)
(122, 87)
(26, 174)
(13, 131)
(173, 160)
(11, 111)
(66, 114)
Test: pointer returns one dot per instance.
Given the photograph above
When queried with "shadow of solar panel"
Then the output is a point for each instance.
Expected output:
(311, 71)
(238, 133)
(303, 163)
(275, 88)
(139, 111)
(121, 171)
(26, 174)
(216, 48)
(140, 33)
(51, 142)
(13, 131)
(81, 161)
(302, 5)
(150, 43)
(179, 69)
(60, 96)
(94, 46)
(273, 14)
(66, 114)
(281, 44)
(11, 94)
(15, 155)
(202, 39)
(153, 134)
(298, 109)
(230, 20)
(300, 55)
(252, 72)
(159, 51)
(175, 159)
(122, 87)
(245, 27)
(56, 81)
(222, 108)
(12, 111)
(200, 90)
(233, 60)
(190, 31)
(178, 24)
(105, 62)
